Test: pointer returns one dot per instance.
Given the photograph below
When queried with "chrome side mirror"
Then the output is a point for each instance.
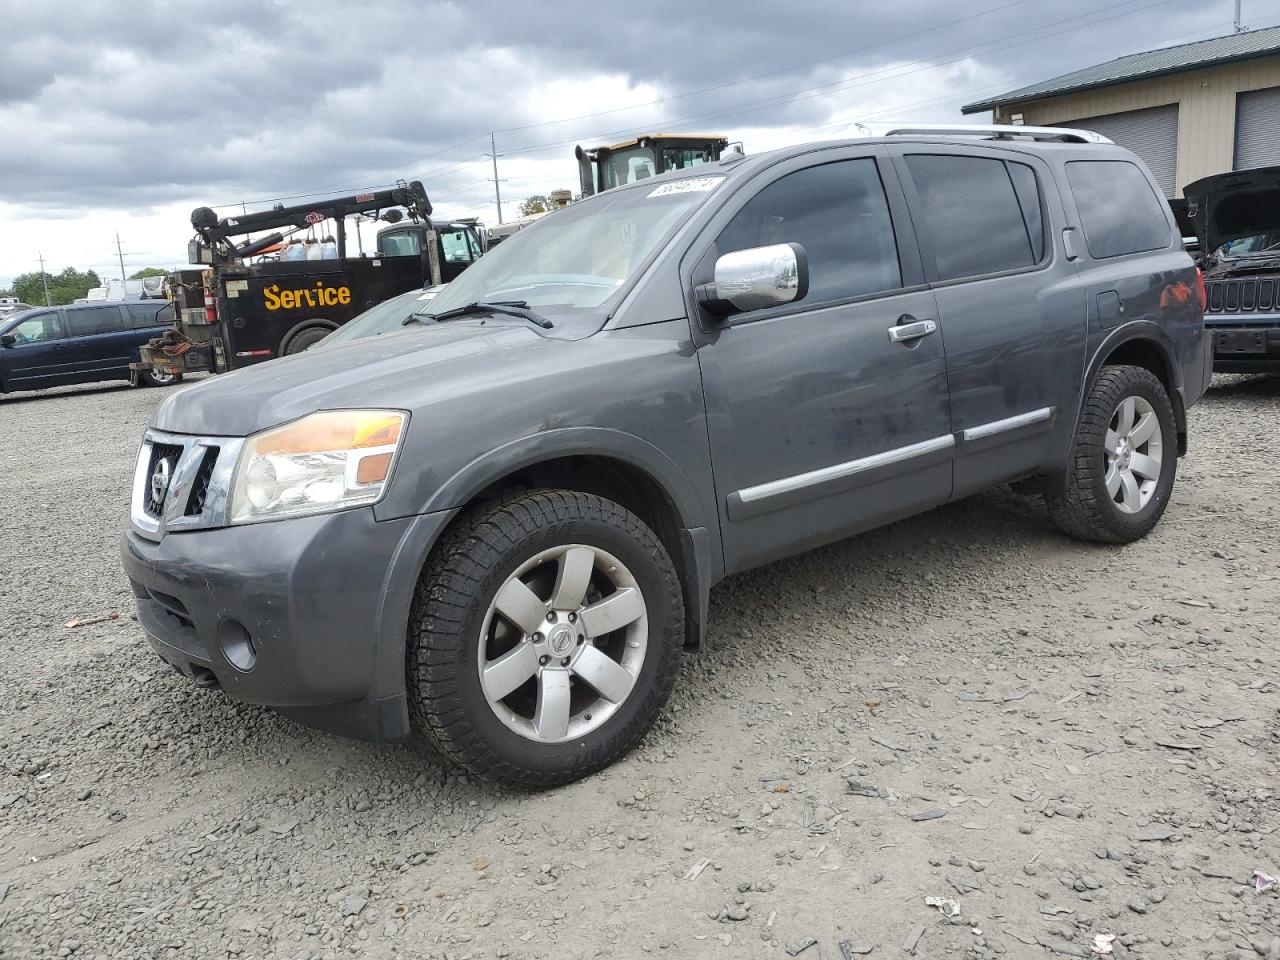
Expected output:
(756, 278)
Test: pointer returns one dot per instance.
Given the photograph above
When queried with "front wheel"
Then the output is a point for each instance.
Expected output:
(1118, 480)
(544, 638)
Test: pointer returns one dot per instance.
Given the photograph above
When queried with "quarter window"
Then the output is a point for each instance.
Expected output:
(1119, 211)
(839, 214)
(87, 320)
(1028, 191)
(971, 213)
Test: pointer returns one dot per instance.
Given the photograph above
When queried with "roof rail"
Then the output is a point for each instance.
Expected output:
(997, 131)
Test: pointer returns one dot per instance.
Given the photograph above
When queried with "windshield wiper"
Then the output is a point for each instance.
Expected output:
(510, 308)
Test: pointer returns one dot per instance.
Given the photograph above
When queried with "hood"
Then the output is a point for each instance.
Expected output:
(400, 370)
(1231, 206)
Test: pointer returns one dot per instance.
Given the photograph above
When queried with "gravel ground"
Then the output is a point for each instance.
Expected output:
(1064, 742)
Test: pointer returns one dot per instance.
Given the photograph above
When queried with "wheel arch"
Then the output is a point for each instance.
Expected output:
(1149, 346)
(617, 466)
(311, 323)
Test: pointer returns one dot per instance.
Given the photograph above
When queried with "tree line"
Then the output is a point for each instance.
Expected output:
(65, 287)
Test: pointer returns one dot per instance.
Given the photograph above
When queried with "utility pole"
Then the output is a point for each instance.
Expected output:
(497, 189)
(120, 254)
(1239, 26)
(48, 300)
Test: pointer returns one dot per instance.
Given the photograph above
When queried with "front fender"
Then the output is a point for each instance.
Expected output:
(491, 467)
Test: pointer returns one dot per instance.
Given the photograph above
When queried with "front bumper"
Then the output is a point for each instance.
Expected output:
(1243, 345)
(306, 615)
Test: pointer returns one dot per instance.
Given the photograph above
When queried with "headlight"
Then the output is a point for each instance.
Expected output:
(324, 462)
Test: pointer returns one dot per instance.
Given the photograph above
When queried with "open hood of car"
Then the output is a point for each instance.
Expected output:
(1232, 206)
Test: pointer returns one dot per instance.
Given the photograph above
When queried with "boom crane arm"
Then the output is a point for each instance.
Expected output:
(215, 230)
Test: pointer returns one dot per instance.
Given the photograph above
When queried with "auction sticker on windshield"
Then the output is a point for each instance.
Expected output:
(695, 185)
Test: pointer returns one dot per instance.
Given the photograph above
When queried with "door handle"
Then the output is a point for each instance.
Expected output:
(909, 329)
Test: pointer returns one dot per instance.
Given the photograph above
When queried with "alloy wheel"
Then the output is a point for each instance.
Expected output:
(1134, 454)
(562, 643)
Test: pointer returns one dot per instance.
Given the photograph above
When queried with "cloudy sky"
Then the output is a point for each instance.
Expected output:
(113, 121)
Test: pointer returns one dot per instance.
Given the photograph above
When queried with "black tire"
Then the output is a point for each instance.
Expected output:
(305, 340)
(148, 379)
(1079, 501)
(446, 700)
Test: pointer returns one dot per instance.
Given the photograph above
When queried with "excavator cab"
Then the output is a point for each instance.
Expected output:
(602, 168)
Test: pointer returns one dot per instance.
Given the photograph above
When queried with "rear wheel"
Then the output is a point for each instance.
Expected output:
(305, 340)
(1118, 481)
(544, 639)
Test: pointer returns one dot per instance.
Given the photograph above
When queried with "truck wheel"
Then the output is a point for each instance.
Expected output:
(152, 378)
(1117, 482)
(545, 637)
(305, 340)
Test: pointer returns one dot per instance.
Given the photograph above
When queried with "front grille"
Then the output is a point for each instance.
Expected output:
(200, 485)
(160, 451)
(1245, 295)
(199, 475)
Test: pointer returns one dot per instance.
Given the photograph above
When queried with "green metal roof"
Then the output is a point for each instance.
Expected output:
(1150, 63)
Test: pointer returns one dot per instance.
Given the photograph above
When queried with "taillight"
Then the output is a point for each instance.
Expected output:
(211, 307)
(1204, 293)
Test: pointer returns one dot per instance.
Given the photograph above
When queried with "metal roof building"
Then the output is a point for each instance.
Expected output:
(1189, 111)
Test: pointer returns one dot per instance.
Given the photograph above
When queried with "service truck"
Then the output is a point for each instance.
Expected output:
(246, 300)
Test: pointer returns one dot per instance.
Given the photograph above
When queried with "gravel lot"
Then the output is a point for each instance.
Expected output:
(1068, 741)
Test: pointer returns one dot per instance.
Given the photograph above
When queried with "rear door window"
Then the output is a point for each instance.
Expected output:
(85, 321)
(973, 217)
(1119, 210)
(839, 213)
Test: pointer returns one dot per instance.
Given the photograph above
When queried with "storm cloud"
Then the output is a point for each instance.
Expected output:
(159, 106)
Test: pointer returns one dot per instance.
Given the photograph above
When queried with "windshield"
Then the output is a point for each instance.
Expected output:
(386, 317)
(1259, 243)
(1251, 219)
(574, 262)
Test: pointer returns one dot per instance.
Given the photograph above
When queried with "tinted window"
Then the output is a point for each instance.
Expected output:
(970, 210)
(677, 158)
(839, 214)
(400, 245)
(150, 313)
(455, 246)
(1118, 209)
(1028, 191)
(39, 328)
(87, 320)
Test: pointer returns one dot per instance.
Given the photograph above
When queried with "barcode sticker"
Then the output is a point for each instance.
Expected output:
(693, 185)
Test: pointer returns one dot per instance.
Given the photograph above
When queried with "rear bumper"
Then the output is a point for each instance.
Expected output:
(1244, 344)
(307, 616)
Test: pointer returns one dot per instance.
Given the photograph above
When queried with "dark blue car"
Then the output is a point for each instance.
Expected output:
(80, 343)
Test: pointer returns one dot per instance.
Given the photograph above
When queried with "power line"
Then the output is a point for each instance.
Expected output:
(897, 109)
(772, 73)
(859, 80)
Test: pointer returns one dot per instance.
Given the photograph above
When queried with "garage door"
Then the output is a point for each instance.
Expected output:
(1151, 134)
(1258, 128)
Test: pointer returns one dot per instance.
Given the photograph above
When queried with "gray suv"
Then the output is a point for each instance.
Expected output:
(497, 528)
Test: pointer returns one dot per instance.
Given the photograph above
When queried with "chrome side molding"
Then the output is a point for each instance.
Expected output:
(838, 471)
(982, 431)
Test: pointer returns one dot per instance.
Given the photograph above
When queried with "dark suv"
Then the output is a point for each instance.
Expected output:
(499, 527)
(1237, 220)
(81, 343)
